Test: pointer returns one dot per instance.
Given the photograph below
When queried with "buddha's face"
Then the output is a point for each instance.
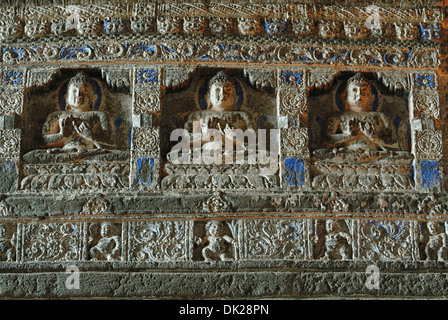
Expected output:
(80, 96)
(359, 97)
(222, 96)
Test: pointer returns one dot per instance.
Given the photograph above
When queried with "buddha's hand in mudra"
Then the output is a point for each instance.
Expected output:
(83, 129)
(66, 126)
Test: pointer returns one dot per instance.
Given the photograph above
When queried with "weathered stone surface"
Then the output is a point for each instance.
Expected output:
(232, 149)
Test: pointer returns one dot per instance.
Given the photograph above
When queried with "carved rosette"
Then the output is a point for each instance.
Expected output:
(83, 176)
(226, 51)
(116, 78)
(291, 78)
(147, 100)
(387, 240)
(426, 105)
(40, 77)
(217, 203)
(293, 102)
(396, 80)
(295, 142)
(52, 241)
(11, 101)
(10, 144)
(428, 144)
(145, 142)
(329, 29)
(95, 206)
(158, 241)
(334, 239)
(425, 81)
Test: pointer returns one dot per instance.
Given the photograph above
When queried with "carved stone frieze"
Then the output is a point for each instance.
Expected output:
(177, 77)
(387, 240)
(5, 209)
(216, 240)
(8, 243)
(145, 142)
(429, 144)
(395, 81)
(425, 81)
(11, 101)
(147, 101)
(158, 241)
(353, 98)
(293, 102)
(41, 77)
(75, 176)
(52, 241)
(10, 144)
(334, 240)
(276, 239)
(381, 177)
(426, 105)
(225, 51)
(320, 78)
(104, 242)
(295, 142)
(95, 206)
(217, 203)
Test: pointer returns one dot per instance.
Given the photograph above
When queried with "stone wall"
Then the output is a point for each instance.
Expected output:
(116, 122)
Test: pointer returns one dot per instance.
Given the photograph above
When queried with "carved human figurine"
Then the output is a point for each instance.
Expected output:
(337, 242)
(358, 128)
(436, 247)
(216, 242)
(7, 246)
(108, 247)
(221, 115)
(78, 132)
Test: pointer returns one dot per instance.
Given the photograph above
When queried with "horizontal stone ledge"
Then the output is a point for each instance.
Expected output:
(242, 204)
(222, 285)
(254, 265)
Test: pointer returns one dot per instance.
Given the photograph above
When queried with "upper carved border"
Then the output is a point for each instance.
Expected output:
(226, 51)
(385, 3)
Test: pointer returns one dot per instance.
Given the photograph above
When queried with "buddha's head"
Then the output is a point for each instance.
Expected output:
(80, 94)
(221, 93)
(358, 95)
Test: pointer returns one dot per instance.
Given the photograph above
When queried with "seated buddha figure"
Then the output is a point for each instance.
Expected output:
(215, 130)
(357, 128)
(79, 132)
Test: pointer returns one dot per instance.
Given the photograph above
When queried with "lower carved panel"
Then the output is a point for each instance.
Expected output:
(158, 241)
(224, 239)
